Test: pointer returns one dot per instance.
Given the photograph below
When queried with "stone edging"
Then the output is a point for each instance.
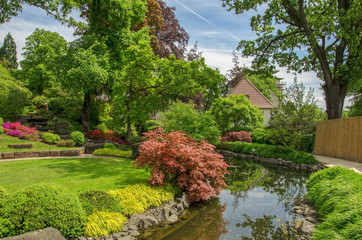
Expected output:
(165, 214)
(274, 162)
(42, 153)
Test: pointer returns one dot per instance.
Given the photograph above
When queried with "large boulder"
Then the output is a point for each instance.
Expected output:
(49, 233)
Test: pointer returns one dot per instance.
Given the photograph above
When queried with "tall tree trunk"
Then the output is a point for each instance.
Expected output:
(335, 95)
(85, 113)
(129, 128)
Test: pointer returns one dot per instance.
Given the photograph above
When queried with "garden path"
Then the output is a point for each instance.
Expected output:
(330, 162)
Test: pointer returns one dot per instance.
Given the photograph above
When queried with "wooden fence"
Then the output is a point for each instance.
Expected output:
(340, 138)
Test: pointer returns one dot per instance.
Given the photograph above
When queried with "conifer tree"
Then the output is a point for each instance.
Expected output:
(8, 51)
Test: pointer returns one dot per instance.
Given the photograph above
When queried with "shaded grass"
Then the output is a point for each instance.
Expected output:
(76, 174)
(336, 194)
(5, 140)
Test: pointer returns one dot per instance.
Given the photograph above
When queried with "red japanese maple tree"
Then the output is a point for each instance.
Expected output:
(175, 156)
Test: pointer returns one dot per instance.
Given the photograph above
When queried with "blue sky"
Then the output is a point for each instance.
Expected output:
(216, 30)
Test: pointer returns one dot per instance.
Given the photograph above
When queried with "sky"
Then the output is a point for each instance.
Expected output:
(216, 30)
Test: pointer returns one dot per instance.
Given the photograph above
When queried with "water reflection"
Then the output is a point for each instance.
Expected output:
(205, 221)
(257, 201)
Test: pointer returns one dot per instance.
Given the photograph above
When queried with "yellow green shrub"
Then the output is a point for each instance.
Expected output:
(101, 224)
(138, 198)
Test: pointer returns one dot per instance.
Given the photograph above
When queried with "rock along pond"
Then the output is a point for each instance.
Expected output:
(258, 204)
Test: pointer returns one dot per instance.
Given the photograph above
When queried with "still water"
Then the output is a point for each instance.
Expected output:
(257, 205)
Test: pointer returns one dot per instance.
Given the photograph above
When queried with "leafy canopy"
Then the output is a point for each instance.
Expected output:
(304, 35)
(235, 113)
(297, 111)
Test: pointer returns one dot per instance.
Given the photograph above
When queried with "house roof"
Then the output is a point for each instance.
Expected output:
(245, 87)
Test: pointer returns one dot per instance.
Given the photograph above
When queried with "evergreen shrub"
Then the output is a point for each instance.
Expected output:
(93, 201)
(307, 142)
(50, 137)
(78, 138)
(41, 206)
(258, 135)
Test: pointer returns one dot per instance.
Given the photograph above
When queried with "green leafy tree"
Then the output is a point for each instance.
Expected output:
(200, 125)
(13, 96)
(235, 113)
(8, 52)
(327, 31)
(87, 65)
(59, 9)
(42, 53)
(297, 111)
(134, 92)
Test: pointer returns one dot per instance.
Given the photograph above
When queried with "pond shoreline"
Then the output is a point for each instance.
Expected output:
(273, 162)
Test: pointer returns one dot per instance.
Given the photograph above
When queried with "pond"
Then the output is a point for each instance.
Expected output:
(257, 205)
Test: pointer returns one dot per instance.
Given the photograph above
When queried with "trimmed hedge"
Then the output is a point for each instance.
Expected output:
(113, 152)
(336, 194)
(66, 143)
(41, 206)
(270, 151)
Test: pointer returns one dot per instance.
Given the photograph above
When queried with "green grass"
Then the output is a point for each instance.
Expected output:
(336, 194)
(5, 140)
(76, 174)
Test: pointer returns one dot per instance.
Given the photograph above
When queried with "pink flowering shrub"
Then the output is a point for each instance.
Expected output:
(17, 130)
(241, 136)
(176, 157)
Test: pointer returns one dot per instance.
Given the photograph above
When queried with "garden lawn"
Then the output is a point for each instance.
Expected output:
(76, 174)
(5, 140)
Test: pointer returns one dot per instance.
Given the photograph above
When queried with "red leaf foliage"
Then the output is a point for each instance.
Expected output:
(241, 136)
(175, 156)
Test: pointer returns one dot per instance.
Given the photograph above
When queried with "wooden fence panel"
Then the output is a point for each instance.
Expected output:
(340, 138)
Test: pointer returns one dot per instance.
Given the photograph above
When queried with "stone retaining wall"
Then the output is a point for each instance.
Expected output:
(273, 161)
(42, 153)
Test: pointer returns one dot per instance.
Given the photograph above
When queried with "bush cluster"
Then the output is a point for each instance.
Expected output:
(109, 145)
(41, 206)
(66, 143)
(184, 117)
(50, 137)
(140, 197)
(1, 130)
(241, 136)
(258, 135)
(336, 194)
(177, 157)
(113, 152)
(270, 151)
(78, 138)
(93, 201)
(17, 130)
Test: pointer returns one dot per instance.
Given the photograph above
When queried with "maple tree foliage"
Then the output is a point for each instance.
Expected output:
(171, 37)
(241, 136)
(176, 157)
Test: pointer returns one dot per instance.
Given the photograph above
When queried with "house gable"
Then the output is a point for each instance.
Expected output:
(245, 87)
